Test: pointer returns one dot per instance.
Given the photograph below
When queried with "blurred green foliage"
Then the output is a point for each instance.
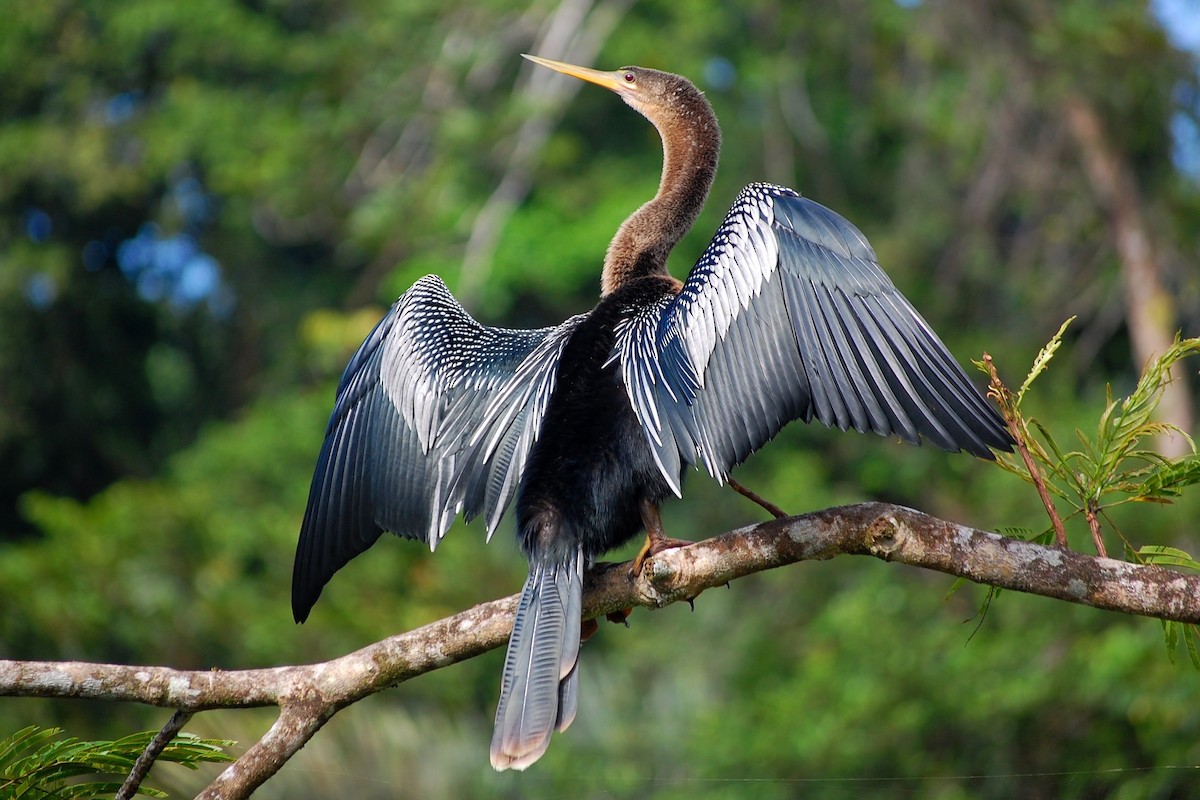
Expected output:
(157, 436)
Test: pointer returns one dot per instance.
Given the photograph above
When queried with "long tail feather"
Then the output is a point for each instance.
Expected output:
(539, 690)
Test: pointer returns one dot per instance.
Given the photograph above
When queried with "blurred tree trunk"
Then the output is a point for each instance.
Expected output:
(1076, 164)
(1149, 309)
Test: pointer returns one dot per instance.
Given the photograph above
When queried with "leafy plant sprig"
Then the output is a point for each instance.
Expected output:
(35, 764)
(1111, 468)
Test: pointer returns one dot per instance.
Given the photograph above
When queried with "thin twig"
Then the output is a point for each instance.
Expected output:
(1094, 525)
(753, 497)
(1003, 397)
(141, 767)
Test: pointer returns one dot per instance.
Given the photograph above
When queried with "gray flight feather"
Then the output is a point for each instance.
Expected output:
(787, 315)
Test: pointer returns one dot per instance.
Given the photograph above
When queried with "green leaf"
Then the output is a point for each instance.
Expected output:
(1192, 633)
(1173, 632)
(22, 740)
(1060, 466)
(1043, 359)
(1165, 479)
(1162, 555)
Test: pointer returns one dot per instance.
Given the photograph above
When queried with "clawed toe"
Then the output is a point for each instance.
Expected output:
(652, 547)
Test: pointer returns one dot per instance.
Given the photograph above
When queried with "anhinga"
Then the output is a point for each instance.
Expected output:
(590, 424)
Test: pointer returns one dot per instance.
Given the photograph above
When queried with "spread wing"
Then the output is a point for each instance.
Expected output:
(435, 415)
(787, 315)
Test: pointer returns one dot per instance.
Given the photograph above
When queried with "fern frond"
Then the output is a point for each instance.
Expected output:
(34, 767)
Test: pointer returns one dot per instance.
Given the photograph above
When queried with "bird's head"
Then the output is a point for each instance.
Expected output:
(651, 92)
(691, 141)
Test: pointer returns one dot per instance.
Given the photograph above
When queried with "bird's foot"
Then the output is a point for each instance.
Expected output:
(656, 539)
(653, 546)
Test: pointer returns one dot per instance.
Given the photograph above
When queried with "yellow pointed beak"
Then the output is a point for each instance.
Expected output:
(609, 80)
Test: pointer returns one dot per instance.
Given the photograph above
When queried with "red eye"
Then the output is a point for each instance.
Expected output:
(630, 77)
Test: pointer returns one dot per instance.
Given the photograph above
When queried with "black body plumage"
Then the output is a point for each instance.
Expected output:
(589, 425)
(592, 463)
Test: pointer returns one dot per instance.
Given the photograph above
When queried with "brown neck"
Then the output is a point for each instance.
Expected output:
(691, 145)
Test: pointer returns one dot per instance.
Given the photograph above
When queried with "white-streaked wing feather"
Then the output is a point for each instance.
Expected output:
(435, 415)
(787, 315)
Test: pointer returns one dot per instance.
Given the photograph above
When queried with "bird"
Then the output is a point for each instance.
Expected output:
(587, 427)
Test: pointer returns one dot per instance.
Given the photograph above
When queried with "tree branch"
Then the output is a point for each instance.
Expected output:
(308, 696)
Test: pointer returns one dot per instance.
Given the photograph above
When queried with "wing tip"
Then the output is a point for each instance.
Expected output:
(303, 601)
(982, 443)
(304, 595)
